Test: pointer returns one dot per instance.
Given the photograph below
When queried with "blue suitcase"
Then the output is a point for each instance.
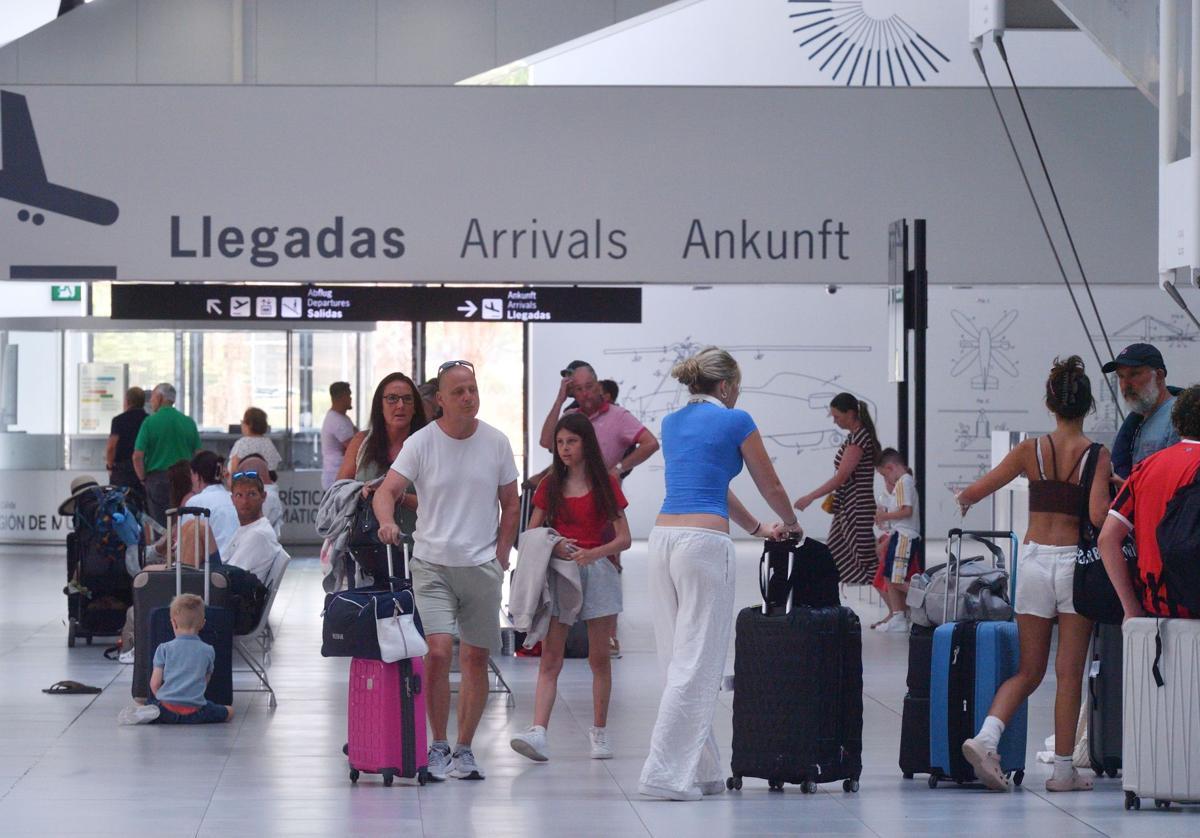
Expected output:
(970, 662)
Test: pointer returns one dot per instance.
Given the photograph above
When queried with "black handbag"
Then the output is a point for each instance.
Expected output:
(1092, 591)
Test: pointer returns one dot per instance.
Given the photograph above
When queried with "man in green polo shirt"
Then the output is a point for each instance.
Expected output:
(165, 438)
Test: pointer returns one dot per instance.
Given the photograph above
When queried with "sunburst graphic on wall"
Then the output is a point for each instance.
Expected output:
(857, 43)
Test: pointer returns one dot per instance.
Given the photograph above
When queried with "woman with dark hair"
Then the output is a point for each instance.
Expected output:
(397, 412)
(254, 441)
(583, 502)
(1046, 572)
(851, 535)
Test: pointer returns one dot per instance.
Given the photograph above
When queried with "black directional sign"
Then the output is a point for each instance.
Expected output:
(355, 303)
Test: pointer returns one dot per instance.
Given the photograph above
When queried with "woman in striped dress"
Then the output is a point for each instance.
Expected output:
(851, 538)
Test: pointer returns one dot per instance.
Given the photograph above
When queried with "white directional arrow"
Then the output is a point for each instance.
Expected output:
(213, 307)
(468, 308)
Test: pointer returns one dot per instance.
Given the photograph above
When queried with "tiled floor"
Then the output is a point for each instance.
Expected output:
(67, 768)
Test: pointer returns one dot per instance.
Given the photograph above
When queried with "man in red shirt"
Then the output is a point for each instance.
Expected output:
(1140, 506)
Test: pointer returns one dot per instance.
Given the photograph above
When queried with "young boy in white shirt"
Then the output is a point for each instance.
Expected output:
(905, 551)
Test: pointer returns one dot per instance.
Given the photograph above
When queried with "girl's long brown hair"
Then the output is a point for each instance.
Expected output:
(593, 461)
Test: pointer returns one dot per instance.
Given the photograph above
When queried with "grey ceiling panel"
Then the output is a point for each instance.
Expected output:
(435, 43)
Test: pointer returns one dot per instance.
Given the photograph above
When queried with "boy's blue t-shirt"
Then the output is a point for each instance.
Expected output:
(186, 662)
(702, 448)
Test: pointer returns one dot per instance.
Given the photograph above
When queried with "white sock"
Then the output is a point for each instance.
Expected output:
(1063, 767)
(991, 732)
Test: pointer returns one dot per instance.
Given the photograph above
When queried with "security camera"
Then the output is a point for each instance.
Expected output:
(831, 289)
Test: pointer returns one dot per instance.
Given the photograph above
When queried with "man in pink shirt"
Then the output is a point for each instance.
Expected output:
(617, 430)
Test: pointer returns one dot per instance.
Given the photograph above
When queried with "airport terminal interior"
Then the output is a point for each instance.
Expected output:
(959, 230)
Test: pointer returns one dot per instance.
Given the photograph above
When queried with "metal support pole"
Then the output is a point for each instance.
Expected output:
(920, 325)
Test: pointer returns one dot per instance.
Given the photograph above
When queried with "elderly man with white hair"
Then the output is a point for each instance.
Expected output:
(165, 438)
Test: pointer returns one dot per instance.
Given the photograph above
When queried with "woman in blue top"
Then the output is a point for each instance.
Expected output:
(691, 568)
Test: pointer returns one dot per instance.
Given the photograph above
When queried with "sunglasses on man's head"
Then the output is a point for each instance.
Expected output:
(449, 365)
(238, 475)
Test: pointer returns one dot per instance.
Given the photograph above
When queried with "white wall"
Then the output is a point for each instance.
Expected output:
(798, 346)
(297, 41)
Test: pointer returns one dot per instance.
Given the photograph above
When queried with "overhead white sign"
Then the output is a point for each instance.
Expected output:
(576, 185)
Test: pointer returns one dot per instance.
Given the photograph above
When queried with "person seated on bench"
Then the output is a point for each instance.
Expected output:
(272, 505)
(182, 668)
(252, 550)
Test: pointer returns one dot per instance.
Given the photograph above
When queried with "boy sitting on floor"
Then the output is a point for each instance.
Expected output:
(182, 668)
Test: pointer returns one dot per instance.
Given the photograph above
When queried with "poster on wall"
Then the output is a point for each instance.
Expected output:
(101, 395)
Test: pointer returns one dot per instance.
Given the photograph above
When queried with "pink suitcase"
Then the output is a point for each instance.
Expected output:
(386, 716)
(386, 730)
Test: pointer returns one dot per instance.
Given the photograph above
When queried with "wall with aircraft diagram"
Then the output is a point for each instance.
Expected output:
(988, 353)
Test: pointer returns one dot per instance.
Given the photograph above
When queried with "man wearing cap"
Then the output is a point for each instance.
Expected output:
(165, 438)
(617, 430)
(1142, 376)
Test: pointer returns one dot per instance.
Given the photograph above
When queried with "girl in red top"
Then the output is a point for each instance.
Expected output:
(583, 503)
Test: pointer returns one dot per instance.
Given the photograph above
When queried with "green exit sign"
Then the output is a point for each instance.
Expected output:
(66, 293)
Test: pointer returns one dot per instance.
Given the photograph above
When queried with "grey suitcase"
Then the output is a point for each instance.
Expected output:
(1159, 754)
(156, 588)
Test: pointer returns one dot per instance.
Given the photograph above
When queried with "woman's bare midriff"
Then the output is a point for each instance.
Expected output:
(1052, 529)
(701, 520)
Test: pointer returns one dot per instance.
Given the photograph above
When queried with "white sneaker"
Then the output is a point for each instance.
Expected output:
(531, 743)
(898, 624)
(439, 762)
(138, 714)
(600, 747)
(126, 657)
(463, 765)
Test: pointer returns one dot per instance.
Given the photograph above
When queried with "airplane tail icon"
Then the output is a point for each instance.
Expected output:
(23, 175)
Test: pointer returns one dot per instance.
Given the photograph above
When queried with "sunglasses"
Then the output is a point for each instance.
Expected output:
(392, 399)
(449, 365)
(238, 475)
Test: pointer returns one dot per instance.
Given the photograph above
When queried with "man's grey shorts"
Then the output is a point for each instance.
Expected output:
(460, 601)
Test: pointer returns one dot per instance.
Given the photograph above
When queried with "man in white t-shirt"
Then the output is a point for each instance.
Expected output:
(336, 432)
(254, 546)
(464, 473)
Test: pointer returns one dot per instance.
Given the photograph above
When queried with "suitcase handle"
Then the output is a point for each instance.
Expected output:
(764, 578)
(392, 565)
(954, 565)
(195, 512)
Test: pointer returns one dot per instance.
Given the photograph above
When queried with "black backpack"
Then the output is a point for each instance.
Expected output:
(1178, 536)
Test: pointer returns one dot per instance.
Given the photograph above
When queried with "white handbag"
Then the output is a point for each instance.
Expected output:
(399, 636)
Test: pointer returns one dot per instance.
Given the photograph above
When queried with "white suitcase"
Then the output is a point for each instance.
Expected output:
(1161, 750)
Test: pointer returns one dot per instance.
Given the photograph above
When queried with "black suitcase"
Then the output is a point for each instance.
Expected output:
(914, 723)
(1104, 701)
(797, 702)
(154, 589)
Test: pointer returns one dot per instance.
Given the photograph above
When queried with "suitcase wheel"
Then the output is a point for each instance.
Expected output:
(849, 785)
(908, 775)
(1018, 777)
(1099, 770)
(734, 783)
(346, 749)
(933, 781)
(423, 776)
(777, 785)
(354, 775)
(388, 777)
(1111, 772)
(1162, 804)
(808, 787)
(1132, 801)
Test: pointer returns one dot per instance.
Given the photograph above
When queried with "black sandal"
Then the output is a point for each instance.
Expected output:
(71, 688)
